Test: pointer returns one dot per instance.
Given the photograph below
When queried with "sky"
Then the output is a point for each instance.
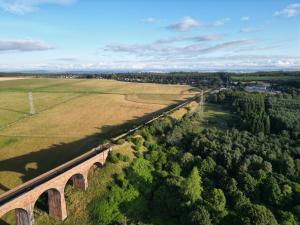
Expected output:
(149, 35)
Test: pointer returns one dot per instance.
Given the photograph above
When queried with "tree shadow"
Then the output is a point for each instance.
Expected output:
(57, 154)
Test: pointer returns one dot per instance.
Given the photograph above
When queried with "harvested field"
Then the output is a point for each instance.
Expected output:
(71, 116)
(11, 78)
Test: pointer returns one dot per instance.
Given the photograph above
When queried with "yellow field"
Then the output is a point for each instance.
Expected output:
(71, 116)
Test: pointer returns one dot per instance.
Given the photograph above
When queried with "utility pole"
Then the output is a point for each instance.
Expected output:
(201, 102)
(31, 105)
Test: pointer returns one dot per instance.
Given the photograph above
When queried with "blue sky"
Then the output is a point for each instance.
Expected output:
(149, 35)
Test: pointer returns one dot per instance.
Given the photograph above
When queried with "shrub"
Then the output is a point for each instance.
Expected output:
(121, 141)
(113, 157)
(138, 142)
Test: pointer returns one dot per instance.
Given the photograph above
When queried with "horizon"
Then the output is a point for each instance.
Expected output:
(149, 36)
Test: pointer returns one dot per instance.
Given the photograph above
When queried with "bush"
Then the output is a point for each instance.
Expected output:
(124, 158)
(121, 141)
(113, 157)
(138, 142)
(139, 155)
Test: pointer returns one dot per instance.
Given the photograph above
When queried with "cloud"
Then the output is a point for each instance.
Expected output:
(158, 50)
(150, 20)
(289, 11)
(219, 63)
(187, 23)
(210, 37)
(23, 46)
(67, 59)
(27, 6)
(250, 29)
(220, 22)
(201, 38)
(245, 18)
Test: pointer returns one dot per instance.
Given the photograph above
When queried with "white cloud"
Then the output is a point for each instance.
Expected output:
(159, 50)
(221, 63)
(290, 11)
(210, 37)
(27, 6)
(250, 29)
(200, 38)
(245, 18)
(67, 59)
(150, 20)
(220, 22)
(23, 46)
(187, 23)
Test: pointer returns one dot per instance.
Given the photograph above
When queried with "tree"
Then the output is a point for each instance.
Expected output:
(217, 202)
(207, 165)
(287, 218)
(200, 216)
(253, 214)
(272, 192)
(192, 186)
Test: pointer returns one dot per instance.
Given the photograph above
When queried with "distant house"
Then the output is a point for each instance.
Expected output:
(256, 88)
(222, 89)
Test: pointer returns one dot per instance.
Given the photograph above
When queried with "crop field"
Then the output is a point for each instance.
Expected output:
(46, 122)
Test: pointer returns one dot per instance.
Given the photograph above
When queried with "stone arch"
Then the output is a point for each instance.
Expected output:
(56, 203)
(94, 167)
(78, 180)
(22, 217)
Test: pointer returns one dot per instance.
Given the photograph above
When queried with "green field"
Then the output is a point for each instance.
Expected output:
(215, 115)
(71, 116)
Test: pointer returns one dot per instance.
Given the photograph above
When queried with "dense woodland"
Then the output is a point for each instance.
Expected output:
(194, 79)
(262, 112)
(184, 174)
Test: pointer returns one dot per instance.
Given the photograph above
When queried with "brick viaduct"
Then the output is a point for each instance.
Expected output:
(23, 198)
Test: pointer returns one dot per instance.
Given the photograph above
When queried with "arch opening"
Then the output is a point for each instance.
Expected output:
(52, 202)
(94, 168)
(77, 181)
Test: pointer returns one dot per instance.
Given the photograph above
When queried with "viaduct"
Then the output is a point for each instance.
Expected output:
(23, 198)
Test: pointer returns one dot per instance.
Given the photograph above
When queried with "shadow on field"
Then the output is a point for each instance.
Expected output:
(57, 154)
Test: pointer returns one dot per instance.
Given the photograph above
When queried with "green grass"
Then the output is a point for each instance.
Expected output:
(216, 116)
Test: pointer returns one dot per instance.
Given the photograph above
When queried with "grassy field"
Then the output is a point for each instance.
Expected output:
(71, 116)
(216, 116)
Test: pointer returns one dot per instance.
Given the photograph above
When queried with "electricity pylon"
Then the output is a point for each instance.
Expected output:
(201, 102)
(31, 105)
